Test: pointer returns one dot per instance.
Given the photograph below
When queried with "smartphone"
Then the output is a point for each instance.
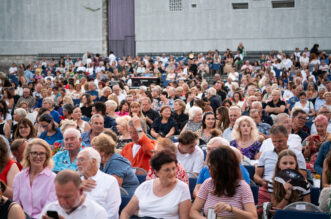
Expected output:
(53, 214)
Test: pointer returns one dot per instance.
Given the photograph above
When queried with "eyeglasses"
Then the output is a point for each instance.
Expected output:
(38, 154)
(302, 118)
(44, 126)
(326, 112)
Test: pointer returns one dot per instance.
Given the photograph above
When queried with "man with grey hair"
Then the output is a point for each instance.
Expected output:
(105, 94)
(214, 100)
(139, 151)
(293, 141)
(67, 158)
(234, 114)
(118, 92)
(97, 126)
(204, 174)
(98, 186)
(265, 118)
(276, 105)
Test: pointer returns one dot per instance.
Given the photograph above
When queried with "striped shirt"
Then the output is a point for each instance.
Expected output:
(242, 196)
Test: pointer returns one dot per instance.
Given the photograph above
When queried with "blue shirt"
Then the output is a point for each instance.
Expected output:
(86, 138)
(325, 148)
(51, 139)
(56, 116)
(292, 101)
(318, 103)
(204, 174)
(62, 161)
(121, 167)
(29, 76)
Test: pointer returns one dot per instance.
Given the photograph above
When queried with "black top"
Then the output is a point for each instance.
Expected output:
(86, 111)
(5, 207)
(272, 104)
(152, 114)
(164, 128)
(181, 120)
(303, 135)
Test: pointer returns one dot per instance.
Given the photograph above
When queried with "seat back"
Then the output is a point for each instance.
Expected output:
(125, 201)
(255, 191)
(251, 171)
(192, 183)
(314, 195)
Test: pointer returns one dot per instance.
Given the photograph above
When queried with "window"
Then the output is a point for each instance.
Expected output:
(240, 5)
(283, 4)
(175, 5)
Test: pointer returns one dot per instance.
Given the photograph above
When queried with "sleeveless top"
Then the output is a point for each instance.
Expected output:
(5, 207)
(3, 174)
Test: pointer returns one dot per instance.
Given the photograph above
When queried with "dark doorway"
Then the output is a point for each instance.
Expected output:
(121, 30)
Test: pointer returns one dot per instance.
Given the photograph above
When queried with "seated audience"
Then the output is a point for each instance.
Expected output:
(225, 191)
(25, 130)
(51, 133)
(163, 197)
(164, 126)
(123, 130)
(97, 127)
(139, 151)
(115, 164)
(34, 186)
(17, 148)
(69, 184)
(104, 190)
(189, 154)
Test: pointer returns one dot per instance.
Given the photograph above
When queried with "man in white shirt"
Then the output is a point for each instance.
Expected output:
(72, 203)
(294, 140)
(234, 114)
(118, 92)
(189, 154)
(98, 186)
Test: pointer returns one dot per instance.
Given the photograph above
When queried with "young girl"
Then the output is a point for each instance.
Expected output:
(282, 195)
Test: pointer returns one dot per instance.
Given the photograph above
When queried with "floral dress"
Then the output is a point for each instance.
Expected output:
(250, 151)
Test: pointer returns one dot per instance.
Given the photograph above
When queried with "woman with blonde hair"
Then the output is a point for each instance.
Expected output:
(111, 107)
(123, 128)
(245, 136)
(34, 186)
(115, 164)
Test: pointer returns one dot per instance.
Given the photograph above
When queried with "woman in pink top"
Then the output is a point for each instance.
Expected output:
(123, 109)
(225, 193)
(34, 186)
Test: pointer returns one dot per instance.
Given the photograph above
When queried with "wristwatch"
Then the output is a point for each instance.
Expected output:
(139, 130)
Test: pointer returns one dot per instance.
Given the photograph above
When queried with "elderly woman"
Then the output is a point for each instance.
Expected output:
(164, 126)
(111, 107)
(77, 117)
(313, 142)
(225, 192)
(114, 163)
(123, 129)
(34, 185)
(166, 144)
(51, 133)
(179, 114)
(25, 130)
(8, 168)
(305, 104)
(163, 197)
(195, 119)
(245, 136)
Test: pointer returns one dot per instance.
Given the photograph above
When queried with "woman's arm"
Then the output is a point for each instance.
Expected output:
(249, 211)
(285, 201)
(10, 180)
(171, 132)
(196, 208)
(184, 209)
(16, 212)
(196, 190)
(131, 208)
(154, 133)
(306, 198)
(184, 128)
(324, 175)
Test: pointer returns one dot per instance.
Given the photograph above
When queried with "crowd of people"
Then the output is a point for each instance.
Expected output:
(75, 135)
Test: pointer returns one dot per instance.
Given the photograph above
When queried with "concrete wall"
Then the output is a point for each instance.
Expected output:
(213, 24)
(30, 27)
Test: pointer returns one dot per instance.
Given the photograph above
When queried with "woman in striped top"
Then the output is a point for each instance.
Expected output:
(225, 193)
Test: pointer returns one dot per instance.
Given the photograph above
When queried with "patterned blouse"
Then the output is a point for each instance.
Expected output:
(181, 174)
(250, 151)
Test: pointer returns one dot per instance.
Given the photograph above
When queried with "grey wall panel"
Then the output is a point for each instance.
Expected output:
(213, 24)
(50, 26)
